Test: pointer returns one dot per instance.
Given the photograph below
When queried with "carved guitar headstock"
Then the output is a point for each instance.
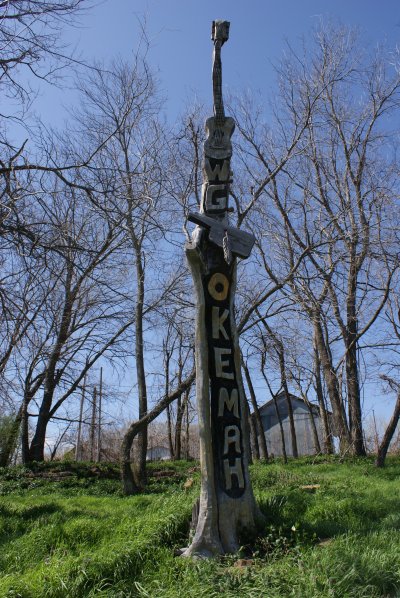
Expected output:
(220, 31)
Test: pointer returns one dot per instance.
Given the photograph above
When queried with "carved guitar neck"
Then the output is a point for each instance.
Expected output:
(219, 35)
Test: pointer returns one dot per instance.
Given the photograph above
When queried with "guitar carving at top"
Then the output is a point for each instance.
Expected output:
(219, 127)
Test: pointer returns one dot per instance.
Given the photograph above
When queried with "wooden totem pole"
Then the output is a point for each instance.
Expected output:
(227, 504)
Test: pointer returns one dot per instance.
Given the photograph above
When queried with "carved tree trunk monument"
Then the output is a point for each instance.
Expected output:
(227, 504)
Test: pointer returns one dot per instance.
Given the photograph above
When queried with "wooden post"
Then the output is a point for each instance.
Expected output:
(78, 448)
(93, 424)
(99, 417)
(227, 506)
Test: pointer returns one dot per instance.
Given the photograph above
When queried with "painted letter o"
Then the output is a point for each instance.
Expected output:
(218, 286)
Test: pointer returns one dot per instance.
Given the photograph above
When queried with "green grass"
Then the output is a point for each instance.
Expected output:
(80, 537)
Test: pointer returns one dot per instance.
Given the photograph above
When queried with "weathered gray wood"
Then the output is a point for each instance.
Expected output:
(78, 448)
(221, 517)
(227, 505)
(241, 242)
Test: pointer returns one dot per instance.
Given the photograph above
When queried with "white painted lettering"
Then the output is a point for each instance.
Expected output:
(231, 402)
(215, 197)
(218, 172)
(233, 470)
(218, 322)
(232, 436)
(220, 363)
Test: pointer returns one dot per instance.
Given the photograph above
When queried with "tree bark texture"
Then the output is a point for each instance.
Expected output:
(328, 445)
(255, 447)
(128, 480)
(388, 435)
(332, 385)
(140, 465)
(278, 415)
(9, 445)
(262, 443)
(282, 367)
(180, 412)
(317, 446)
(169, 432)
(352, 376)
(227, 503)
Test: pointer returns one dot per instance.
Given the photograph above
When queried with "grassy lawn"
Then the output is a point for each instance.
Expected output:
(79, 537)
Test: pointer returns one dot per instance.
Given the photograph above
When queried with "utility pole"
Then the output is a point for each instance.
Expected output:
(78, 448)
(93, 424)
(99, 417)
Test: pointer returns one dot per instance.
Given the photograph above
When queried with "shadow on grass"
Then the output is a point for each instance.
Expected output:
(301, 518)
(18, 521)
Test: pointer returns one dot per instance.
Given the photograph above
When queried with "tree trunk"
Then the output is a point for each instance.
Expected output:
(282, 367)
(178, 430)
(256, 414)
(279, 348)
(128, 481)
(180, 411)
(99, 414)
(317, 446)
(78, 448)
(255, 447)
(328, 445)
(140, 465)
(227, 504)
(388, 435)
(25, 428)
(9, 445)
(187, 430)
(36, 451)
(354, 401)
(339, 415)
(353, 385)
(278, 415)
(129, 485)
(227, 507)
(169, 430)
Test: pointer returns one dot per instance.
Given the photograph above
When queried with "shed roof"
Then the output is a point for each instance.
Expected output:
(281, 397)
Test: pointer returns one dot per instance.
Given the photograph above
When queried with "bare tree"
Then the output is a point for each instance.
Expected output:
(387, 360)
(330, 200)
(132, 169)
(30, 40)
(392, 425)
(81, 314)
(256, 416)
(128, 480)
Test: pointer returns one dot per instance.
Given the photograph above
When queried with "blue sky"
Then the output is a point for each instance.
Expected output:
(180, 46)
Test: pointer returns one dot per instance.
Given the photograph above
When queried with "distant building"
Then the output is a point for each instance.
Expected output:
(158, 453)
(302, 423)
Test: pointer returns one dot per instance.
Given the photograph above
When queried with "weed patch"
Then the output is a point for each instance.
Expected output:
(331, 529)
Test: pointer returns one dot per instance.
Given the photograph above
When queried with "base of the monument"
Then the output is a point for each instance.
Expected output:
(227, 510)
